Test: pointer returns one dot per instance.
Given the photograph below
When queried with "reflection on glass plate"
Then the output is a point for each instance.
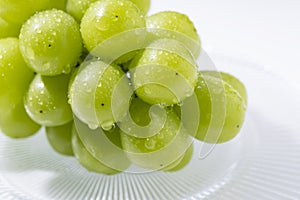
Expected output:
(262, 162)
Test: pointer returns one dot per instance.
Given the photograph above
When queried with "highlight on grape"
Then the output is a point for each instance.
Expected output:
(118, 89)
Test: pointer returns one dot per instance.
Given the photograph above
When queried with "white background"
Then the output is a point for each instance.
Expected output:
(266, 32)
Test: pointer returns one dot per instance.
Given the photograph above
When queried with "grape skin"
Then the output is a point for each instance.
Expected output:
(50, 42)
(46, 101)
(86, 159)
(91, 100)
(15, 78)
(106, 18)
(78, 8)
(232, 107)
(14, 13)
(60, 138)
(160, 150)
(175, 25)
(164, 73)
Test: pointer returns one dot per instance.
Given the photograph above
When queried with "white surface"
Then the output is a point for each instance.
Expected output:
(266, 32)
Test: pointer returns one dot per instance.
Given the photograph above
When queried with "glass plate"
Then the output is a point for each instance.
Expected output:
(262, 162)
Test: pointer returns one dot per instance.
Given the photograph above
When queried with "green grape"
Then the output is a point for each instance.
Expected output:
(46, 101)
(78, 8)
(164, 73)
(106, 18)
(144, 5)
(185, 160)
(91, 94)
(225, 121)
(160, 150)
(15, 77)
(174, 25)
(104, 146)
(231, 80)
(14, 13)
(60, 138)
(14, 121)
(85, 158)
(50, 42)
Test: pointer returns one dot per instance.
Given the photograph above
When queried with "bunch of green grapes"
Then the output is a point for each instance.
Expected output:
(112, 86)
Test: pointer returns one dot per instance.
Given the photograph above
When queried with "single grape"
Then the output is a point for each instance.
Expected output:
(85, 158)
(164, 73)
(14, 13)
(104, 146)
(14, 121)
(91, 94)
(60, 138)
(78, 8)
(106, 18)
(144, 5)
(222, 107)
(46, 101)
(50, 42)
(160, 150)
(174, 25)
(15, 78)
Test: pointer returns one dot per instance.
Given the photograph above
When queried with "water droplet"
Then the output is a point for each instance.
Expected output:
(93, 126)
(160, 136)
(100, 25)
(163, 104)
(150, 144)
(47, 65)
(147, 91)
(107, 125)
(66, 69)
(180, 103)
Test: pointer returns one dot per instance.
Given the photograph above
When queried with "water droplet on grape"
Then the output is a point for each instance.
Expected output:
(46, 65)
(93, 126)
(150, 144)
(107, 125)
(66, 69)
(147, 91)
(180, 103)
(30, 54)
